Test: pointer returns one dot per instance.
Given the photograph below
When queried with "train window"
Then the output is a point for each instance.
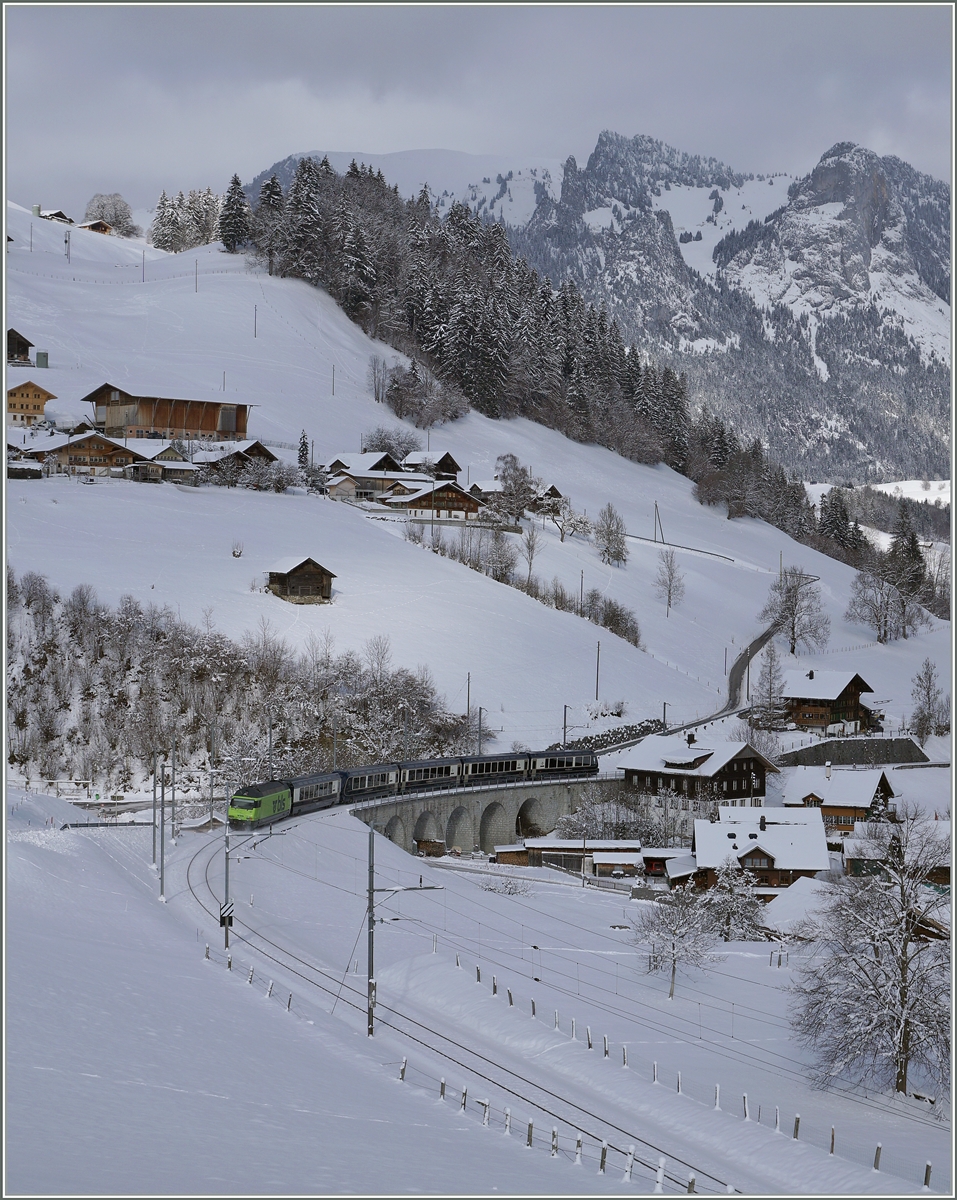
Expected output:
(244, 804)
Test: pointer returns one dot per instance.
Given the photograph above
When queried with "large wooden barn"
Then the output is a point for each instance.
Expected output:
(300, 580)
(120, 414)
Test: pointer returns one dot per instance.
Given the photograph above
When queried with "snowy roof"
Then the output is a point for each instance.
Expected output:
(399, 476)
(486, 485)
(515, 849)
(846, 787)
(792, 905)
(671, 752)
(661, 852)
(426, 490)
(557, 843)
(818, 685)
(57, 442)
(682, 867)
(371, 460)
(793, 838)
(291, 561)
(418, 457)
(630, 858)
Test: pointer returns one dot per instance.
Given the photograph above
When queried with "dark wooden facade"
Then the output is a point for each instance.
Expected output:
(18, 347)
(444, 500)
(740, 779)
(120, 414)
(307, 582)
(817, 713)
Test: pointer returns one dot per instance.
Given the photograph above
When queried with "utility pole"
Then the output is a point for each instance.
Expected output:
(597, 669)
(270, 744)
(468, 698)
(405, 734)
(333, 379)
(154, 810)
(163, 834)
(565, 727)
(172, 824)
(144, 266)
(212, 758)
(255, 320)
(371, 937)
(581, 596)
(481, 710)
(226, 884)
(664, 714)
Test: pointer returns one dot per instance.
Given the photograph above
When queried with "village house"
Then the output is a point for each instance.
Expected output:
(18, 349)
(52, 214)
(864, 854)
(486, 490)
(844, 795)
(361, 464)
(776, 845)
(26, 403)
(97, 226)
(567, 853)
(729, 773)
(655, 859)
(433, 463)
(300, 581)
(439, 499)
(118, 413)
(225, 456)
(547, 493)
(826, 701)
(374, 484)
(86, 454)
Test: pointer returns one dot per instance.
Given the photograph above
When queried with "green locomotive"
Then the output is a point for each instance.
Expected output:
(260, 804)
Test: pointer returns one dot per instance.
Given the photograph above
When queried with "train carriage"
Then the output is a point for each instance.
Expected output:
(422, 776)
(365, 783)
(313, 792)
(557, 763)
(499, 768)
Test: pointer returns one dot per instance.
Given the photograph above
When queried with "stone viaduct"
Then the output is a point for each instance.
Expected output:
(478, 818)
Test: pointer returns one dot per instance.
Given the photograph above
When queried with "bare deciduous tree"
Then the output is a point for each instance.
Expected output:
(676, 932)
(669, 582)
(794, 607)
(610, 536)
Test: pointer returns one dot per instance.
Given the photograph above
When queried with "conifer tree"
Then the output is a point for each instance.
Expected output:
(234, 217)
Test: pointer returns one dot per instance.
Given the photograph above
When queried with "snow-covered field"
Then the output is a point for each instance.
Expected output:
(134, 1065)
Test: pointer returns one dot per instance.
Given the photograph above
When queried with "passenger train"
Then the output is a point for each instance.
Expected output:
(263, 803)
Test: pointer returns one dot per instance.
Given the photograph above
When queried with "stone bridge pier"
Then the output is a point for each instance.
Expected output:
(479, 818)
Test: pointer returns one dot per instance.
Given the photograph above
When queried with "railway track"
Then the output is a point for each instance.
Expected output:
(450, 1049)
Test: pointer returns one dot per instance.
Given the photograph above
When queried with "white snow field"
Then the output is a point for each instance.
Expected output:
(135, 1066)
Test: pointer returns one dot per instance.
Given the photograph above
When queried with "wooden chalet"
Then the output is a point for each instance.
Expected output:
(374, 485)
(439, 466)
(437, 500)
(26, 403)
(88, 454)
(844, 795)
(544, 496)
(226, 456)
(119, 413)
(864, 854)
(729, 773)
(97, 226)
(819, 700)
(55, 214)
(18, 349)
(776, 845)
(369, 460)
(300, 580)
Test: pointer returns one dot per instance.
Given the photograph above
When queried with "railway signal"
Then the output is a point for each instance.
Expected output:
(226, 915)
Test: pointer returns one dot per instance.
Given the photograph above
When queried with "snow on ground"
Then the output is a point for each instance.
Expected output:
(917, 489)
(165, 1073)
(691, 206)
(277, 342)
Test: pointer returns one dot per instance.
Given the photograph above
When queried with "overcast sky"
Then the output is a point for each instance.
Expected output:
(139, 98)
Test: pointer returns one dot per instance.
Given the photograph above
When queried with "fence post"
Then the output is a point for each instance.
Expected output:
(533, 1010)
(554, 1141)
(624, 1056)
(573, 1028)
(269, 990)
(691, 1184)
(797, 1125)
(679, 1083)
(578, 1150)
(494, 986)
(654, 1072)
(510, 1000)
(659, 1174)
(603, 1159)
(289, 1002)
(831, 1151)
(442, 1089)
(777, 1119)
(478, 974)
(458, 963)
(588, 1035)
(508, 1122)
(747, 1115)
(465, 1097)
(229, 962)
(605, 1045)
(402, 1070)
(487, 1105)
(250, 979)
(877, 1157)
(556, 1018)
(927, 1176)
(206, 955)
(528, 1140)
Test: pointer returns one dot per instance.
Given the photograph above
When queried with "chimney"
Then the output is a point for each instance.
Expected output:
(827, 770)
(690, 739)
(763, 826)
(810, 674)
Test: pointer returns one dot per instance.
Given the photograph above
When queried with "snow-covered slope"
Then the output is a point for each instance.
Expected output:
(277, 342)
